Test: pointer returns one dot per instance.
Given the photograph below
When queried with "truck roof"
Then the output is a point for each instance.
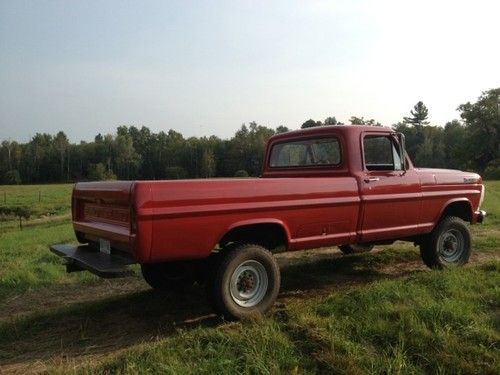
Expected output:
(324, 130)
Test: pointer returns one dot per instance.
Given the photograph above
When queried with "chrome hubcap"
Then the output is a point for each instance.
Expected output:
(451, 246)
(248, 284)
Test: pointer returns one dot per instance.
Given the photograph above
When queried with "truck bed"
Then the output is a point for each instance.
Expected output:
(185, 219)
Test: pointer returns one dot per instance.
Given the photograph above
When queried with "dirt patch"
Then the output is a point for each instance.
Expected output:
(60, 296)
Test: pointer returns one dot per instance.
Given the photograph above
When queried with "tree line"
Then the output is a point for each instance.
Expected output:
(471, 143)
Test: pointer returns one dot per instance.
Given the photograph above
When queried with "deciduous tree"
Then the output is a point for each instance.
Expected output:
(310, 124)
(482, 121)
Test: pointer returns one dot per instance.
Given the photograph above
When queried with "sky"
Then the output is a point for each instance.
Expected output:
(206, 67)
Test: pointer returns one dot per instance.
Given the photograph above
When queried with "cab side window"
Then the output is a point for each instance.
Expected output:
(381, 153)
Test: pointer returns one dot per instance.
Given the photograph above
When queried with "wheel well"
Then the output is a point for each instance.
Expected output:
(271, 236)
(460, 209)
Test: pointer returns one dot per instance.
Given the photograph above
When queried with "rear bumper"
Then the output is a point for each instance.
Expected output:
(84, 257)
(479, 216)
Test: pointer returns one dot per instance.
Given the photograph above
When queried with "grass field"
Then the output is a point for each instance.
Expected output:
(44, 200)
(45, 203)
(381, 312)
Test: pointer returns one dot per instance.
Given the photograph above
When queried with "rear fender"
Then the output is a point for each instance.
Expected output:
(247, 223)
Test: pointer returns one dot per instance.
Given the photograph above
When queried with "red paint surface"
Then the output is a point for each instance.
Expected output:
(315, 206)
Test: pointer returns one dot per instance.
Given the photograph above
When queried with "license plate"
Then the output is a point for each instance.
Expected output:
(104, 246)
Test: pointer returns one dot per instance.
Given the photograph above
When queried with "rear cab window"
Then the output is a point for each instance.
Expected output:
(381, 153)
(311, 152)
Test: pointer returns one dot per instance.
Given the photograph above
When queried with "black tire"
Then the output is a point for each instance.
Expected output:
(245, 282)
(356, 248)
(448, 245)
(170, 276)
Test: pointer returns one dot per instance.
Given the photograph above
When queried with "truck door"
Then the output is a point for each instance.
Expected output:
(390, 195)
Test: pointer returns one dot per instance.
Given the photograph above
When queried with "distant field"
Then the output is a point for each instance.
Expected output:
(370, 313)
(45, 203)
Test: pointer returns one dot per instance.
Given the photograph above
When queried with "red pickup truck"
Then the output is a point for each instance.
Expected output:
(347, 186)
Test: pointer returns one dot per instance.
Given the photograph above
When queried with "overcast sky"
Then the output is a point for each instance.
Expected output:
(204, 68)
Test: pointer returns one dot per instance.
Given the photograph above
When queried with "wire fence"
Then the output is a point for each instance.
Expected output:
(27, 206)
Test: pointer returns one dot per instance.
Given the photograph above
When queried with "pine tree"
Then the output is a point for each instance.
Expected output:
(418, 115)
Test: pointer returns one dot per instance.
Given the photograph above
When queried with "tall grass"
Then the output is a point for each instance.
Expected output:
(432, 322)
(435, 322)
(26, 262)
(492, 203)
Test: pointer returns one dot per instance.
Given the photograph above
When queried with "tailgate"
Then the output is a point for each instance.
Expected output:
(103, 211)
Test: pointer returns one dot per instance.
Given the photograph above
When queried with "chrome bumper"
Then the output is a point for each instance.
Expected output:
(480, 215)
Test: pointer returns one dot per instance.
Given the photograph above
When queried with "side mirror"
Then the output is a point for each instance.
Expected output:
(402, 150)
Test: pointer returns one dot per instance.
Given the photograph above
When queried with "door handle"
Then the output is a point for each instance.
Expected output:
(372, 179)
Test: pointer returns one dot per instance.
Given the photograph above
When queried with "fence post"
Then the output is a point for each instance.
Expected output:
(21, 222)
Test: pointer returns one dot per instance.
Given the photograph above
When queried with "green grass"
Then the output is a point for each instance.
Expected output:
(436, 322)
(353, 314)
(486, 236)
(262, 347)
(393, 324)
(42, 200)
(26, 263)
(429, 322)
(492, 203)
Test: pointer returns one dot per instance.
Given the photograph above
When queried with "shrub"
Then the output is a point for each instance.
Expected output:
(175, 173)
(12, 177)
(98, 172)
(492, 171)
(241, 173)
(17, 211)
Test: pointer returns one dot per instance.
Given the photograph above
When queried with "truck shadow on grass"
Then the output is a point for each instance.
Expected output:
(113, 323)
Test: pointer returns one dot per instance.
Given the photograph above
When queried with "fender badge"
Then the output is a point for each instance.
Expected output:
(470, 180)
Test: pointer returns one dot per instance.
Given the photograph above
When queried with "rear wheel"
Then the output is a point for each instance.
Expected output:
(169, 276)
(245, 283)
(356, 248)
(449, 244)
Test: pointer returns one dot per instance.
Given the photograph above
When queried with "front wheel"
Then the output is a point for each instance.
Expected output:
(246, 282)
(449, 244)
